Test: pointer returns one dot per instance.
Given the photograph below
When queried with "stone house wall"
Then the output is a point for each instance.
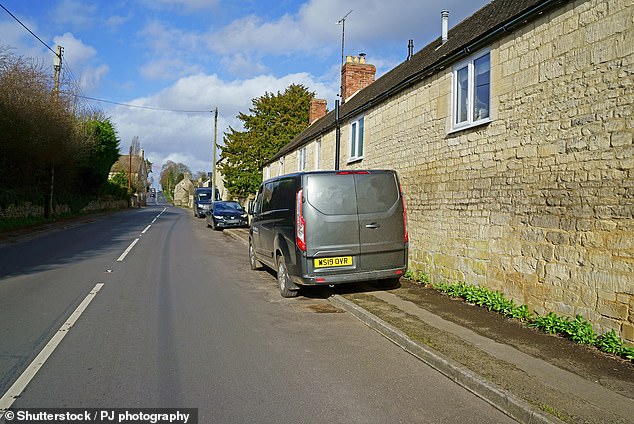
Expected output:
(539, 202)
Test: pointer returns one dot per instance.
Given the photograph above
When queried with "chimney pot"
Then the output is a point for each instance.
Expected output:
(445, 25)
(410, 49)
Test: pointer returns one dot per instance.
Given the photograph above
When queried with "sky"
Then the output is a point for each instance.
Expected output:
(199, 55)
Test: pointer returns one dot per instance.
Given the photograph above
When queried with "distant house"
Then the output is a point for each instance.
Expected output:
(137, 173)
(184, 192)
(513, 137)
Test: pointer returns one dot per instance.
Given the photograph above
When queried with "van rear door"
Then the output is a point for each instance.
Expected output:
(332, 223)
(381, 221)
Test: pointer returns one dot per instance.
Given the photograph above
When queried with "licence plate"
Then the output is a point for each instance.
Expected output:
(337, 261)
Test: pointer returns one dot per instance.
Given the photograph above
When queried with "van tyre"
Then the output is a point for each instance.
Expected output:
(253, 261)
(283, 279)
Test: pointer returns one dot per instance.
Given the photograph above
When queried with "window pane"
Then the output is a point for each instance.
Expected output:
(376, 192)
(482, 68)
(353, 140)
(331, 194)
(462, 88)
(360, 147)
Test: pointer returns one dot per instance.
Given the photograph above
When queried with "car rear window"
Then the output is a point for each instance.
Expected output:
(376, 192)
(228, 206)
(204, 196)
(331, 194)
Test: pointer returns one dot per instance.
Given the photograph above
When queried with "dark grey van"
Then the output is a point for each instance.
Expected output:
(330, 227)
(203, 200)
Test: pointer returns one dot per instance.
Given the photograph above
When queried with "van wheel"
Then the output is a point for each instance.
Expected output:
(253, 261)
(283, 279)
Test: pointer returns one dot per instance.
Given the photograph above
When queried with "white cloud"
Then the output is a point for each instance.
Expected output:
(18, 42)
(91, 77)
(251, 34)
(81, 58)
(182, 6)
(168, 68)
(75, 50)
(187, 137)
(242, 66)
(76, 13)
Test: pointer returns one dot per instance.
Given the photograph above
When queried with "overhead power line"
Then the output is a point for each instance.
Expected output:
(27, 28)
(143, 107)
(77, 86)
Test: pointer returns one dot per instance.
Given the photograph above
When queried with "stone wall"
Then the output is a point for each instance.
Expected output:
(538, 203)
(31, 210)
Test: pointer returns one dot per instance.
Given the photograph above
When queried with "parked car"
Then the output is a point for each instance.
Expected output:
(226, 215)
(203, 200)
(330, 227)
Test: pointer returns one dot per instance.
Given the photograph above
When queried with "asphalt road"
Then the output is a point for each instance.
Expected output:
(181, 321)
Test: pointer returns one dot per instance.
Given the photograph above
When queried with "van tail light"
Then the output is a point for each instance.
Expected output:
(353, 172)
(405, 233)
(300, 223)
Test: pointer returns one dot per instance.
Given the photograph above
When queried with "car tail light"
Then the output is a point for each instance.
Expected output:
(405, 233)
(300, 223)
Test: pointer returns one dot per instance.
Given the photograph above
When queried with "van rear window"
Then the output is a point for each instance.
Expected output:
(376, 192)
(332, 194)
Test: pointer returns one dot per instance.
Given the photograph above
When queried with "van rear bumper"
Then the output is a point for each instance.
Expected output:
(356, 277)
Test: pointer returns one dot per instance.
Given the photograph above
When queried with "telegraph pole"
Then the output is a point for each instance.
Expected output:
(57, 65)
(213, 159)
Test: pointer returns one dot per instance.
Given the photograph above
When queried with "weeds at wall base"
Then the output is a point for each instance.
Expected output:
(576, 329)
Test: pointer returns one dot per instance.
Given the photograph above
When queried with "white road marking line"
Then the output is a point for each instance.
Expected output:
(146, 228)
(20, 384)
(124, 254)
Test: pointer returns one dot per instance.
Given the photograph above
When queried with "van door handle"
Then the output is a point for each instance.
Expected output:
(372, 226)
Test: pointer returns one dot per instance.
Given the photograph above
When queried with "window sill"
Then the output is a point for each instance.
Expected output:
(354, 160)
(469, 126)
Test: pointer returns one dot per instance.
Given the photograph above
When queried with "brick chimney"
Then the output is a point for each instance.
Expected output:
(318, 109)
(355, 75)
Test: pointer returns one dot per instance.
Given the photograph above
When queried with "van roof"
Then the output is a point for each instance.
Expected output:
(328, 172)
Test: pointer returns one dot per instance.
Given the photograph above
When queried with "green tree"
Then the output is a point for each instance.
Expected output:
(42, 143)
(171, 174)
(104, 151)
(120, 179)
(273, 121)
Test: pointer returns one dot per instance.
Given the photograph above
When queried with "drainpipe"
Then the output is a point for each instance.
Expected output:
(337, 135)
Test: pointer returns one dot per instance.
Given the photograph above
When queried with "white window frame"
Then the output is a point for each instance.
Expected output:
(301, 159)
(356, 138)
(318, 154)
(280, 169)
(472, 116)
